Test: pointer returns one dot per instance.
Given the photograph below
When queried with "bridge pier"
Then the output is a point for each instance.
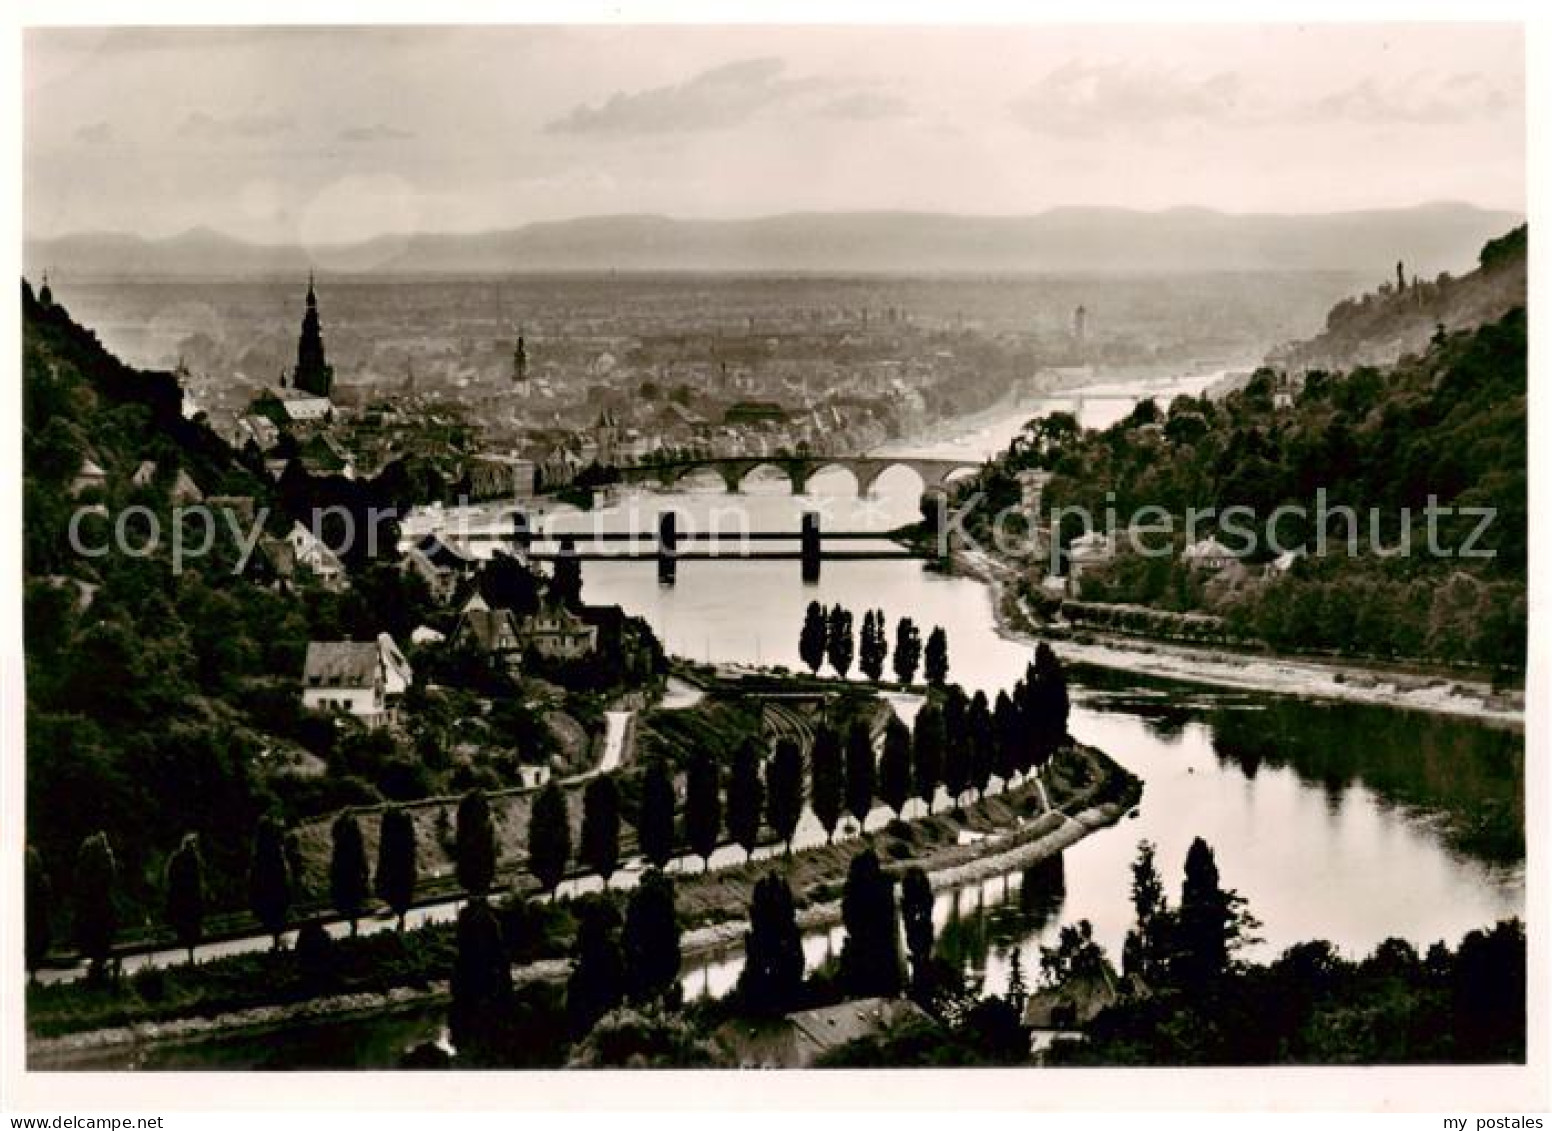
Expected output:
(522, 532)
(667, 548)
(866, 476)
(811, 547)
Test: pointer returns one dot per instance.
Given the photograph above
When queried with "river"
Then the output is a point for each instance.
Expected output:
(1347, 822)
(1353, 823)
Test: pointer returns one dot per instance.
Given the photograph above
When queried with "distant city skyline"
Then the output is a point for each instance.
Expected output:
(315, 136)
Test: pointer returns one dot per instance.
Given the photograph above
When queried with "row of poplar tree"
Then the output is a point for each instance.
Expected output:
(828, 635)
(636, 960)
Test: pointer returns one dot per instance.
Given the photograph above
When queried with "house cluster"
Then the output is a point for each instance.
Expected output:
(1221, 568)
(601, 396)
(554, 632)
(338, 676)
(176, 484)
(283, 563)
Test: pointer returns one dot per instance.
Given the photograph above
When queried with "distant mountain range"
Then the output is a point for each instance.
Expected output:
(1430, 238)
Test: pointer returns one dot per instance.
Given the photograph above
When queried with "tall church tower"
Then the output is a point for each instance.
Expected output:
(313, 373)
(520, 366)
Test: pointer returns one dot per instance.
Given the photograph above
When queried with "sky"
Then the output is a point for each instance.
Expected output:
(329, 135)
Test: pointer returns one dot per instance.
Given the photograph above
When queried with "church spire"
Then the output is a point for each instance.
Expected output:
(313, 373)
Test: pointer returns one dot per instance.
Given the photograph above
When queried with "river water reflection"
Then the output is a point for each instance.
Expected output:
(1337, 821)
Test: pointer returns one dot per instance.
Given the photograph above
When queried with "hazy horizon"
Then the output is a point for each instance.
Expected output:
(587, 217)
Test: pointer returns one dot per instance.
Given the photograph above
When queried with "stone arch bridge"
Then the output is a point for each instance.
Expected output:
(934, 473)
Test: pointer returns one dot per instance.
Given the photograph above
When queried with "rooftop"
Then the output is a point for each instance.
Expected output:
(341, 663)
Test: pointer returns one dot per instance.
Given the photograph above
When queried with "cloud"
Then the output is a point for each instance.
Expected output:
(716, 99)
(864, 106)
(1083, 99)
(1422, 99)
(378, 132)
(1086, 98)
(98, 133)
(201, 126)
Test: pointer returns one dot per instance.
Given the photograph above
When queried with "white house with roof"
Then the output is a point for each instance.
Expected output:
(1208, 554)
(311, 553)
(183, 489)
(355, 677)
(347, 677)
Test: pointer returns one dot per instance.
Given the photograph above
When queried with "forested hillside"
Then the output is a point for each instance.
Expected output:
(1401, 317)
(163, 702)
(1447, 427)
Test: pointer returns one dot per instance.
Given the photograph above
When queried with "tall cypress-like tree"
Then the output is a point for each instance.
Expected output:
(269, 878)
(865, 642)
(185, 893)
(1052, 702)
(1025, 738)
(840, 643)
(784, 789)
(927, 744)
(1147, 948)
(316, 957)
(1005, 738)
(38, 910)
(549, 837)
(397, 868)
(1205, 930)
(349, 882)
(870, 960)
(745, 797)
(771, 982)
(908, 650)
(859, 772)
(597, 982)
(601, 826)
(650, 941)
(812, 641)
(95, 899)
(872, 647)
(936, 657)
(827, 784)
(702, 807)
(481, 984)
(916, 917)
(894, 766)
(475, 848)
(655, 823)
(982, 743)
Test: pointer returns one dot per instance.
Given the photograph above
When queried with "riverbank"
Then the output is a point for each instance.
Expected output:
(1280, 675)
(1013, 827)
